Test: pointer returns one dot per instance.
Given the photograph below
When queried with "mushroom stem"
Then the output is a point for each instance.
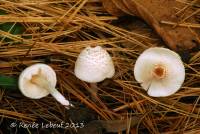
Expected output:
(94, 88)
(43, 83)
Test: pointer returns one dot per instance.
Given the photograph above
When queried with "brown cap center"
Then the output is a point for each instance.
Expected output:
(159, 71)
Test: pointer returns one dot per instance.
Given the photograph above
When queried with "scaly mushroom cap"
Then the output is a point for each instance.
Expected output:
(94, 65)
(160, 71)
(30, 89)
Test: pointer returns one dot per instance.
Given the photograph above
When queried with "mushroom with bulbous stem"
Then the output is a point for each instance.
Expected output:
(94, 64)
(39, 80)
(160, 71)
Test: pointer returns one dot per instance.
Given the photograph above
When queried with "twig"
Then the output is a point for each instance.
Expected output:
(181, 24)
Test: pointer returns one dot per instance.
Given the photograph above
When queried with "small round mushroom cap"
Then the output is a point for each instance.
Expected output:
(30, 89)
(160, 71)
(94, 64)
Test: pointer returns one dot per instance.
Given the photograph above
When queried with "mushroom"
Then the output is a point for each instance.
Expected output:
(160, 71)
(94, 64)
(39, 80)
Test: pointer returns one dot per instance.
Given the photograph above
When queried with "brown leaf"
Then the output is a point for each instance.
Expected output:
(98, 126)
(154, 12)
(120, 5)
(112, 9)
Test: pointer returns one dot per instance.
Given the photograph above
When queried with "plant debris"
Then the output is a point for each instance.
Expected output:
(114, 126)
(54, 33)
(166, 17)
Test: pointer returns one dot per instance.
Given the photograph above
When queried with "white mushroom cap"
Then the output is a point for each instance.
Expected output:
(32, 90)
(160, 71)
(94, 64)
(38, 81)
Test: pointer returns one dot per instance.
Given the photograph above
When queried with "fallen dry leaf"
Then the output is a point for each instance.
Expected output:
(98, 126)
(177, 37)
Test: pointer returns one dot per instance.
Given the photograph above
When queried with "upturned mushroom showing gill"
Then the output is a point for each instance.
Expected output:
(41, 81)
